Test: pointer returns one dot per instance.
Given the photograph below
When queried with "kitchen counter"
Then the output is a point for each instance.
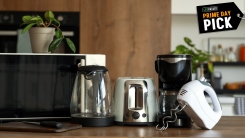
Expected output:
(227, 127)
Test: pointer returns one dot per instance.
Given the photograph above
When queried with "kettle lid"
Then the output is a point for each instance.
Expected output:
(92, 68)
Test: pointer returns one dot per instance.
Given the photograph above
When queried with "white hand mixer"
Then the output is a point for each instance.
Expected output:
(192, 100)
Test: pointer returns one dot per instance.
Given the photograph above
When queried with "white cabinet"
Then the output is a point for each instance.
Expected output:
(227, 105)
(189, 6)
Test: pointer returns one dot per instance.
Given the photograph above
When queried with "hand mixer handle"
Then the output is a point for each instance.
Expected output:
(214, 98)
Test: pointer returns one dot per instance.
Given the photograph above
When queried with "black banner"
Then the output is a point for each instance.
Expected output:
(218, 17)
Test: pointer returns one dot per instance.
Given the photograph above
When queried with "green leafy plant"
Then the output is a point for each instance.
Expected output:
(31, 21)
(199, 56)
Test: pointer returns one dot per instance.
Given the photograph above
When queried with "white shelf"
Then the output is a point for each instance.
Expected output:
(223, 100)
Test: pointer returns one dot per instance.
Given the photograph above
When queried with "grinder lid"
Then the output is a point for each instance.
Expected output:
(92, 68)
(174, 58)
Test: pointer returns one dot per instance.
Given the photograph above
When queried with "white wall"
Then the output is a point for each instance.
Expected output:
(187, 25)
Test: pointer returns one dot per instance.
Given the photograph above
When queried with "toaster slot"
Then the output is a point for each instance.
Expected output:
(135, 97)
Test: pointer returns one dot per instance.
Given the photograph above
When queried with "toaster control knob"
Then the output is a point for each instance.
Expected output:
(135, 115)
(144, 115)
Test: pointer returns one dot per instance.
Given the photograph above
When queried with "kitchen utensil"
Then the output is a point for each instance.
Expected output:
(52, 124)
(135, 101)
(172, 112)
(91, 102)
(198, 109)
(217, 80)
(173, 72)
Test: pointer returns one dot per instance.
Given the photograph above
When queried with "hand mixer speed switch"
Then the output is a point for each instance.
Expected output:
(202, 79)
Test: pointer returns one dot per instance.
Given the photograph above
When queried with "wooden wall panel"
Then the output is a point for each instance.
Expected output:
(131, 33)
(40, 5)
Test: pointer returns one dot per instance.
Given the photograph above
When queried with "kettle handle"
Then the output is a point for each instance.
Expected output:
(214, 98)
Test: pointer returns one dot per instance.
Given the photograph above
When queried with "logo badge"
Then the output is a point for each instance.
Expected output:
(218, 17)
(182, 92)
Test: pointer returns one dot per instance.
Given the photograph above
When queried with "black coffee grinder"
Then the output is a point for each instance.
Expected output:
(173, 72)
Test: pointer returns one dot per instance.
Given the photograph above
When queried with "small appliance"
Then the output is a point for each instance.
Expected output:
(135, 101)
(198, 109)
(173, 72)
(39, 86)
(91, 101)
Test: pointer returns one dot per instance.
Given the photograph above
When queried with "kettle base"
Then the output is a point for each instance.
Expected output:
(93, 121)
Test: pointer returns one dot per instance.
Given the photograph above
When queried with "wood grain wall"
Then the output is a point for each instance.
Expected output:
(131, 33)
(40, 5)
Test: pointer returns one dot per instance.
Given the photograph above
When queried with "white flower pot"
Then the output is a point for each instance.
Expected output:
(194, 76)
(40, 38)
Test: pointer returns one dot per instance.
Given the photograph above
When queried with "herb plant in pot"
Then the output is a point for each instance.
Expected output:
(199, 57)
(45, 35)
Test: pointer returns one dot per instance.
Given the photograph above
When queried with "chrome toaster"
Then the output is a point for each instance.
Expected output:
(135, 101)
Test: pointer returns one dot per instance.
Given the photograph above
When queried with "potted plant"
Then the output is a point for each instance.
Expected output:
(199, 56)
(42, 32)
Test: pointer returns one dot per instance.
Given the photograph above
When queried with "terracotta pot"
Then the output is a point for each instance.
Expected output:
(40, 38)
